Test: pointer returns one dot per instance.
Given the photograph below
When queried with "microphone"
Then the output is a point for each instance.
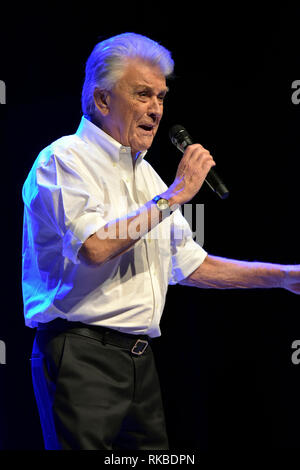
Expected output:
(181, 139)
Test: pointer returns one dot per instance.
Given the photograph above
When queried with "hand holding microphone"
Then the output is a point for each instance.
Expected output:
(195, 167)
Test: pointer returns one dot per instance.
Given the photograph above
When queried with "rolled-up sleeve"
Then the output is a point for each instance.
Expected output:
(69, 204)
(80, 229)
(187, 255)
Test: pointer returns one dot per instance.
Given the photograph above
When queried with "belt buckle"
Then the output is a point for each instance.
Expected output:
(138, 349)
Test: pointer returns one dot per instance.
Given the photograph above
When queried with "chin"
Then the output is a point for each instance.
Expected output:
(147, 143)
(140, 148)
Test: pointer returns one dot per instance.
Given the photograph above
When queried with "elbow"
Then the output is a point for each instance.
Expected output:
(89, 258)
(90, 253)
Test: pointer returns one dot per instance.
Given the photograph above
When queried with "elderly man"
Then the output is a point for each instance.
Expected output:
(101, 244)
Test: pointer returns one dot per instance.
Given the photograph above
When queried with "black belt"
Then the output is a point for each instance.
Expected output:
(136, 344)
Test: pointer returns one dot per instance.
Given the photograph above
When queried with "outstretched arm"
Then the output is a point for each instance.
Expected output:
(222, 273)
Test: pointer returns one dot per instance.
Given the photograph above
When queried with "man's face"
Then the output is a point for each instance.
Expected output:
(135, 106)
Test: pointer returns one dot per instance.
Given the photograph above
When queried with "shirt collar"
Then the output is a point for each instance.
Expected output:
(89, 132)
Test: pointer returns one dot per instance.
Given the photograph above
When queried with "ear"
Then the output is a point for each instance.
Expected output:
(102, 100)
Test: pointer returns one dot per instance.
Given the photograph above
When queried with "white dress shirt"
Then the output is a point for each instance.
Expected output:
(76, 185)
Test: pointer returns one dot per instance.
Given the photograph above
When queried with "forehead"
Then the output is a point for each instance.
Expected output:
(139, 73)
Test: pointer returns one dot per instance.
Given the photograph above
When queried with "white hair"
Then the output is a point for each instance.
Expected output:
(106, 63)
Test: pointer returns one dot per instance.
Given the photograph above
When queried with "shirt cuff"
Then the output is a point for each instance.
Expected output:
(79, 231)
(185, 262)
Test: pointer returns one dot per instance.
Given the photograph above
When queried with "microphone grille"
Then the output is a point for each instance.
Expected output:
(175, 130)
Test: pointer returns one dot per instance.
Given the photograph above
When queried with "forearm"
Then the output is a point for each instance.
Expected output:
(222, 273)
(119, 235)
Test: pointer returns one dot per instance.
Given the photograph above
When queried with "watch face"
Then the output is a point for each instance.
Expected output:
(163, 204)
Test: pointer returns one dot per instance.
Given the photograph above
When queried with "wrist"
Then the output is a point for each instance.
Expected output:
(173, 201)
(284, 275)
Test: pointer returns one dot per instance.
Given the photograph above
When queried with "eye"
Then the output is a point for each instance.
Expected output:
(143, 94)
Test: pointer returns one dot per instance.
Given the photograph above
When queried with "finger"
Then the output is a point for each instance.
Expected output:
(193, 150)
(206, 159)
(196, 149)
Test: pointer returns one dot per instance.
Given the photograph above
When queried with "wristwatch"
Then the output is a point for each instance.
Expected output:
(161, 203)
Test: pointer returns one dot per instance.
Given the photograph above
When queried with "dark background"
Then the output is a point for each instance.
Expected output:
(224, 356)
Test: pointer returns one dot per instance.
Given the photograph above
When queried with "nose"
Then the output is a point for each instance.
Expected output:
(155, 109)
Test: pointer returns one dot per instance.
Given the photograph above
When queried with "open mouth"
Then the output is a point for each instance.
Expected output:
(145, 127)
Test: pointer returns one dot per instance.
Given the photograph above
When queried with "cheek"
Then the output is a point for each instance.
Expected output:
(132, 118)
(133, 114)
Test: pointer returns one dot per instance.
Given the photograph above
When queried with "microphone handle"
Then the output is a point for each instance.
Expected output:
(216, 184)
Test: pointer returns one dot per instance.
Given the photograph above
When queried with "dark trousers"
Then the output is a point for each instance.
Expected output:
(92, 392)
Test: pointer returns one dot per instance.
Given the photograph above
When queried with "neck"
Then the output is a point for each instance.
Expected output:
(135, 157)
(94, 120)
